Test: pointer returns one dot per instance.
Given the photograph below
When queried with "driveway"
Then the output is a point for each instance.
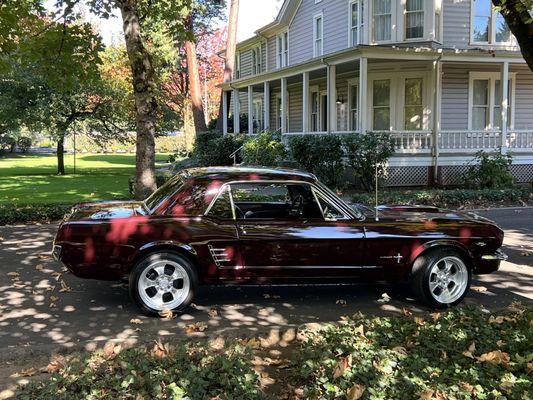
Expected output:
(43, 309)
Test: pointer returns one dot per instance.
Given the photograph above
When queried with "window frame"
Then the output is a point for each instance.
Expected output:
(405, 13)
(360, 23)
(259, 120)
(392, 22)
(404, 105)
(257, 59)
(278, 114)
(351, 84)
(492, 77)
(282, 49)
(316, 39)
(493, 18)
(238, 65)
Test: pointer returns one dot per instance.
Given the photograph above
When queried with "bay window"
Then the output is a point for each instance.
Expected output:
(356, 22)
(318, 34)
(414, 19)
(382, 20)
(488, 25)
(381, 95)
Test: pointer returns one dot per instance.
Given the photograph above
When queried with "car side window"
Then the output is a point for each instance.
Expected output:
(329, 211)
(222, 207)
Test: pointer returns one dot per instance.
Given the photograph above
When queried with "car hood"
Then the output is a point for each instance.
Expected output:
(422, 213)
(105, 210)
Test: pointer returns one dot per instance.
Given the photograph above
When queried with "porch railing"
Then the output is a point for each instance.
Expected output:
(469, 141)
(412, 141)
(521, 140)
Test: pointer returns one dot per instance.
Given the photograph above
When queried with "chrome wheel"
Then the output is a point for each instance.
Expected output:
(164, 285)
(448, 279)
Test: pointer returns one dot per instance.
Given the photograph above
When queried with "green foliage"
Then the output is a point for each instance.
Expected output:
(490, 171)
(24, 143)
(265, 149)
(7, 143)
(215, 149)
(22, 214)
(451, 198)
(184, 372)
(321, 155)
(367, 151)
(460, 354)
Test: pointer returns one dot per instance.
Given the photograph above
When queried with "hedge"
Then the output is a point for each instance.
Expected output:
(464, 198)
(19, 214)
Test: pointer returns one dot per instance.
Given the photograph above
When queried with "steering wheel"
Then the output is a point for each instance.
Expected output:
(238, 212)
(297, 207)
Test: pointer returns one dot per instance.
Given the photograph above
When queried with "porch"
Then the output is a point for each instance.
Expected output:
(440, 109)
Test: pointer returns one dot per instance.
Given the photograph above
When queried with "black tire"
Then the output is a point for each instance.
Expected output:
(420, 276)
(143, 263)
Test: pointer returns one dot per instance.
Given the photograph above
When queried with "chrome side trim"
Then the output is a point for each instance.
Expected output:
(498, 255)
(219, 255)
(305, 267)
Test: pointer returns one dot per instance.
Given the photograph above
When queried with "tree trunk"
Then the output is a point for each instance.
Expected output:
(61, 155)
(145, 100)
(518, 18)
(230, 54)
(195, 88)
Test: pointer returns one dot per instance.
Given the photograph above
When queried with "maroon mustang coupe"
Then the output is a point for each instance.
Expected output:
(262, 226)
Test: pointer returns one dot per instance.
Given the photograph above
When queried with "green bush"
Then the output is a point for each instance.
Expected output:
(166, 372)
(366, 151)
(321, 155)
(490, 171)
(7, 143)
(20, 214)
(265, 149)
(461, 354)
(24, 144)
(215, 149)
(452, 198)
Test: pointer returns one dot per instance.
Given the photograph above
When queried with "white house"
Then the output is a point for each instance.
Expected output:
(446, 77)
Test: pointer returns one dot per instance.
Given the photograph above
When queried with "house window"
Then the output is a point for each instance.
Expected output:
(413, 104)
(238, 66)
(278, 112)
(488, 25)
(356, 22)
(354, 101)
(315, 107)
(257, 60)
(486, 99)
(381, 104)
(414, 19)
(382, 20)
(318, 33)
(258, 115)
(283, 49)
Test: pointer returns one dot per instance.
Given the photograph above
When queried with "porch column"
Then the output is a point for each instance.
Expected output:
(283, 105)
(363, 73)
(250, 109)
(305, 102)
(437, 69)
(266, 105)
(225, 112)
(236, 112)
(331, 122)
(505, 104)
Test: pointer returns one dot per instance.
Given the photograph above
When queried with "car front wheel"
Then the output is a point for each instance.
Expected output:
(441, 278)
(163, 281)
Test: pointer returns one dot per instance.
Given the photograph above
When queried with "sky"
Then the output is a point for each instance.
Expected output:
(253, 14)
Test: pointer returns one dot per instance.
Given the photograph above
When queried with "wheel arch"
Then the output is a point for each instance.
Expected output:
(439, 244)
(182, 249)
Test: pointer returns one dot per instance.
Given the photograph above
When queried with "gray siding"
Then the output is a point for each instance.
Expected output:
(246, 62)
(523, 98)
(456, 23)
(271, 51)
(454, 109)
(301, 30)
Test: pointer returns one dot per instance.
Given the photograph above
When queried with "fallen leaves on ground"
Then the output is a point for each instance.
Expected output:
(65, 287)
(385, 298)
(135, 321)
(55, 364)
(26, 372)
(213, 313)
(197, 327)
(355, 392)
(111, 350)
(166, 314)
(342, 365)
(160, 349)
(13, 274)
(495, 357)
(479, 289)
(470, 352)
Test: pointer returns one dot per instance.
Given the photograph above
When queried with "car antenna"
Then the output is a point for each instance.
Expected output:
(376, 184)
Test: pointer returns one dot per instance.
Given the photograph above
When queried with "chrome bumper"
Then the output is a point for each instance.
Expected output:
(497, 255)
(56, 252)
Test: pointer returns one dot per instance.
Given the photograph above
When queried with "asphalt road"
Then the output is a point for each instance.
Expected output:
(43, 309)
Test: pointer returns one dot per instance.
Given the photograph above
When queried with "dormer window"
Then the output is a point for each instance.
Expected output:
(318, 35)
(488, 25)
(382, 16)
(414, 19)
(282, 49)
(257, 60)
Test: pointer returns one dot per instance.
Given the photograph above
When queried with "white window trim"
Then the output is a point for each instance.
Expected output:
(351, 83)
(257, 53)
(404, 22)
(315, 37)
(492, 29)
(287, 112)
(397, 93)
(261, 123)
(394, 23)
(360, 27)
(238, 65)
(282, 50)
(492, 77)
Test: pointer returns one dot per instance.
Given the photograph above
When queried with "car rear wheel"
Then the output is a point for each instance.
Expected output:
(441, 278)
(163, 281)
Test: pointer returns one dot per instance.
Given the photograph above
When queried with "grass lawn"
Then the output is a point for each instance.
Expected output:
(32, 178)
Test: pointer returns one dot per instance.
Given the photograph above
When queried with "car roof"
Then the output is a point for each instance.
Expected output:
(228, 174)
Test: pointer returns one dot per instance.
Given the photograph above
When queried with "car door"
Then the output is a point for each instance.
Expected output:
(278, 241)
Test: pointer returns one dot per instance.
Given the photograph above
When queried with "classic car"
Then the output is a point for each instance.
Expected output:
(222, 226)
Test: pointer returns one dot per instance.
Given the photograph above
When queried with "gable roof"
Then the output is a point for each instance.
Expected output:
(284, 18)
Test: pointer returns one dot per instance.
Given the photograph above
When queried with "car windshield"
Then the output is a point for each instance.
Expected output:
(168, 189)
